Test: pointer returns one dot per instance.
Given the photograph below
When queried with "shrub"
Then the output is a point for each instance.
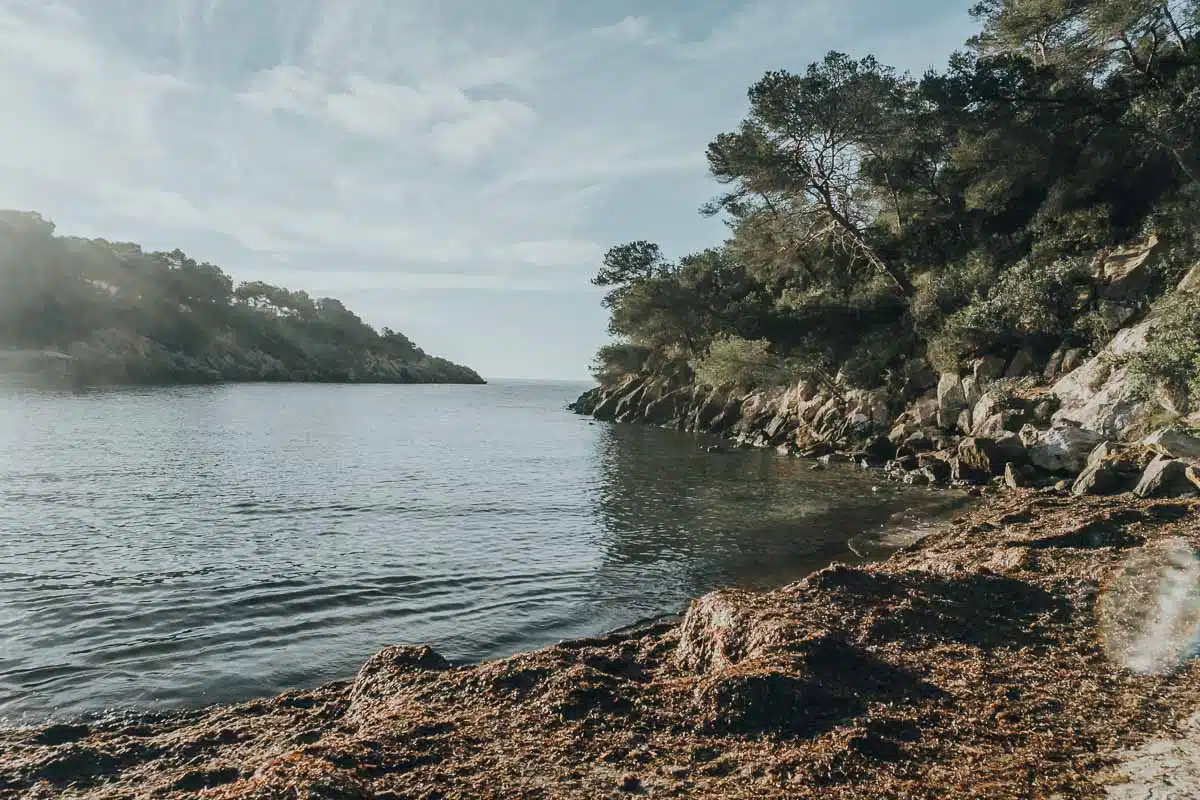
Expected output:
(1030, 305)
(1171, 357)
(745, 363)
(614, 361)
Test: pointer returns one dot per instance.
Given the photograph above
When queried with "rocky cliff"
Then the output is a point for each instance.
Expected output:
(1078, 419)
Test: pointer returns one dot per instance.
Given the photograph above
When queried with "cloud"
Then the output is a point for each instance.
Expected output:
(629, 29)
(357, 144)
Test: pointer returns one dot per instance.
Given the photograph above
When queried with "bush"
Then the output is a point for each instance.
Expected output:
(615, 361)
(747, 364)
(1031, 305)
(1171, 357)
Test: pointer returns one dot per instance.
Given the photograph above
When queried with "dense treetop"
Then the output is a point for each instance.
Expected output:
(129, 316)
(874, 216)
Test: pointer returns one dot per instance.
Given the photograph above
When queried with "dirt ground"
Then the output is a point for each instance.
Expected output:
(1038, 647)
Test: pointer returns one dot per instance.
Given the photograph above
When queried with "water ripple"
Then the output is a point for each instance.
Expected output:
(188, 546)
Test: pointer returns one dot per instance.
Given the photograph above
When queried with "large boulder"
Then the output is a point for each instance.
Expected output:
(1128, 270)
(987, 368)
(1111, 468)
(1063, 448)
(1167, 477)
(1175, 443)
(951, 400)
(1100, 396)
(1020, 365)
(981, 455)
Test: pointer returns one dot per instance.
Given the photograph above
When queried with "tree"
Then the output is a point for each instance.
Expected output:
(801, 152)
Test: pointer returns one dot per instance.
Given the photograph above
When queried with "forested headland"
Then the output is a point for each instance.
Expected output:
(127, 316)
(876, 217)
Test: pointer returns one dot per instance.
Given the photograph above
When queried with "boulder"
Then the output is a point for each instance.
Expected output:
(879, 450)
(1020, 365)
(1128, 270)
(1111, 469)
(987, 368)
(916, 376)
(1063, 448)
(925, 412)
(1072, 360)
(1166, 477)
(981, 455)
(1174, 443)
(1018, 476)
(990, 403)
(1100, 396)
(1054, 365)
(951, 400)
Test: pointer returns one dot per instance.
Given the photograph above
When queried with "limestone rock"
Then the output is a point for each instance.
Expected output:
(950, 400)
(987, 368)
(1100, 395)
(1063, 448)
(1166, 477)
(1174, 443)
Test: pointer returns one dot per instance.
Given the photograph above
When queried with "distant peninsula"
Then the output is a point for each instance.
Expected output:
(93, 313)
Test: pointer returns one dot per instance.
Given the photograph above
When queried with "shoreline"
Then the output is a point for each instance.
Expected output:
(977, 659)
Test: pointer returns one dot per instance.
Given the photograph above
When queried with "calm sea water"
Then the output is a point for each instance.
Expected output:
(179, 547)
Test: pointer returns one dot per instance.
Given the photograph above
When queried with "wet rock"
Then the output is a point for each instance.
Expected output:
(835, 458)
(879, 450)
(1166, 477)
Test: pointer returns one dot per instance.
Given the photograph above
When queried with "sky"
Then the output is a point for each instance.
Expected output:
(454, 169)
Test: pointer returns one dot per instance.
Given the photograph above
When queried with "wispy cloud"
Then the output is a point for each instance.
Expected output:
(394, 143)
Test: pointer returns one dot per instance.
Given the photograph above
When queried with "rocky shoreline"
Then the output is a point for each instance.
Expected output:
(1074, 422)
(1001, 657)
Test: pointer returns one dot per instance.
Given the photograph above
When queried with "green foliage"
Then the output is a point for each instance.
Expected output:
(743, 363)
(1031, 306)
(1172, 354)
(874, 217)
(127, 316)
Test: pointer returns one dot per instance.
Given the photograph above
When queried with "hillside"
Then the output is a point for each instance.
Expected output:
(885, 226)
(126, 316)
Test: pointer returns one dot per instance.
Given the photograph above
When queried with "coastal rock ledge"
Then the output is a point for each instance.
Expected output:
(1000, 657)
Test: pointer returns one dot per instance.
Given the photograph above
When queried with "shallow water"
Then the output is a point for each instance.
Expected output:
(178, 547)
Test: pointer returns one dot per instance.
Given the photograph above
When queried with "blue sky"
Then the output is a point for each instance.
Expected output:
(452, 169)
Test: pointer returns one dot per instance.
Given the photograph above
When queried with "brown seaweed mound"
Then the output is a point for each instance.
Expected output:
(971, 664)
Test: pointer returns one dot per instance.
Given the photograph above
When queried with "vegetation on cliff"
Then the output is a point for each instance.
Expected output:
(126, 316)
(875, 217)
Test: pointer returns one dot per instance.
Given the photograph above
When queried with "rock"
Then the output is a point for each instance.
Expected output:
(938, 471)
(1128, 270)
(1072, 360)
(1043, 411)
(972, 391)
(389, 670)
(987, 368)
(964, 422)
(1174, 443)
(990, 403)
(1020, 365)
(917, 478)
(916, 376)
(981, 455)
(1166, 477)
(1193, 475)
(1100, 395)
(1011, 448)
(1054, 365)
(1019, 476)
(1063, 448)
(879, 450)
(900, 432)
(950, 400)
(834, 458)
(902, 464)
(963, 474)
(925, 412)
(1106, 475)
